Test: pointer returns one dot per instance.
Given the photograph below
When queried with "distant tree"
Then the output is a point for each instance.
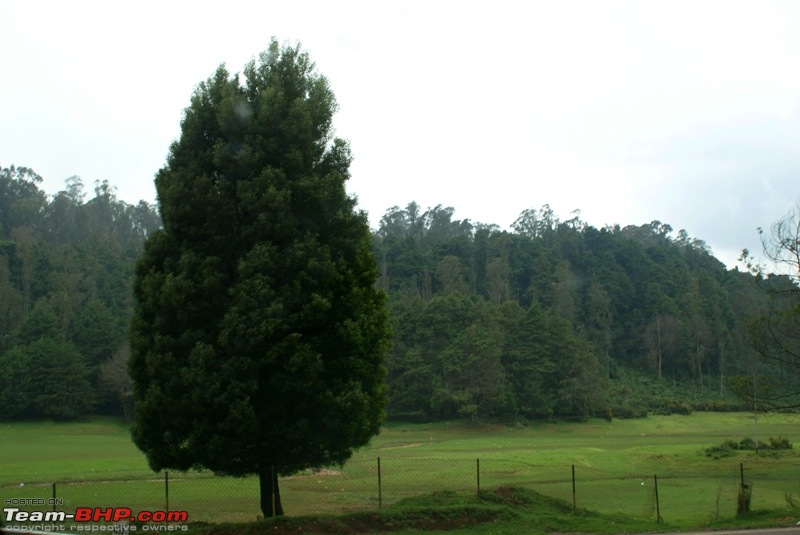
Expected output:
(15, 383)
(473, 378)
(94, 333)
(598, 322)
(775, 334)
(663, 342)
(535, 223)
(40, 323)
(114, 381)
(21, 201)
(497, 280)
(258, 337)
(449, 275)
(563, 291)
(10, 303)
(60, 379)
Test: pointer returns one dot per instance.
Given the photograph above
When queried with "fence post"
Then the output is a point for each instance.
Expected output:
(573, 489)
(380, 489)
(166, 488)
(745, 493)
(478, 469)
(658, 507)
(741, 474)
(54, 497)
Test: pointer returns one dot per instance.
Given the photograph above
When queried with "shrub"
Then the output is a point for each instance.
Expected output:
(629, 411)
(747, 443)
(726, 449)
(780, 443)
(679, 407)
(718, 405)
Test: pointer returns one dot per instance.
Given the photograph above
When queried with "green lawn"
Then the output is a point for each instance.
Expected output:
(95, 464)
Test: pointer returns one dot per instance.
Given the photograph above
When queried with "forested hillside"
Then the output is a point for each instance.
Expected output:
(558, 318)
(66, 268)
(551, 319)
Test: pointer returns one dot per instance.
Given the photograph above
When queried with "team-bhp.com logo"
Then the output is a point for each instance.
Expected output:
(93, 519)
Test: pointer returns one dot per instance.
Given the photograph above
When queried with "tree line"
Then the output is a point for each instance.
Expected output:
(548, 319)
(66, 269)
(558, 318)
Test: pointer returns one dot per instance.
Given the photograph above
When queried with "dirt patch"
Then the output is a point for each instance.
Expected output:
(324, 472)
(511, 497)
(406, 445)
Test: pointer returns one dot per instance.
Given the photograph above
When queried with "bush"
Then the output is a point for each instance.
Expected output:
(718, 405)
(678, 407)
(629, 411)
(723, 450)
(754, 445)
(729, 447)
(780, 443)
(670, 406)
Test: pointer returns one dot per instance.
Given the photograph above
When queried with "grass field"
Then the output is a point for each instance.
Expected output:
(95, 464)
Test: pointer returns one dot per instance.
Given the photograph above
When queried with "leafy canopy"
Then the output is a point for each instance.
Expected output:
(258, 336)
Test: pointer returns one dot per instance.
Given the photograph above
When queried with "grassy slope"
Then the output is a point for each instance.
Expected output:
(50, 451)
(501, 511)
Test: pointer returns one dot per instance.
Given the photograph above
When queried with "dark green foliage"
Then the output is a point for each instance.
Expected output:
(40, 323)
(21, 201)
(66, 266)
(258, 337)
(747, 443)
(46, 377)
(554, 319)
(59, 378)
(780, 443)
(673, 406)
(15, 383)
(726, 449)
(583, 321)
(94, 332)
(729, 447)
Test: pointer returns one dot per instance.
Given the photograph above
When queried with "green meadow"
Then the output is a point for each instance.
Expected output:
(616, 466)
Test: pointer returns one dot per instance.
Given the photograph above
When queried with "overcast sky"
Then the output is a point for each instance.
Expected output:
(631, 111)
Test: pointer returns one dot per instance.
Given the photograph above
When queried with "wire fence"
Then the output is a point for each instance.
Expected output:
(363, 485)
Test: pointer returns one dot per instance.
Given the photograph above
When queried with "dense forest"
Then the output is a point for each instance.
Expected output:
(552, 319)
(66, 269)
(559, 319)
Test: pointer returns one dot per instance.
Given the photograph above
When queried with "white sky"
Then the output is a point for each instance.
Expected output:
(687, 112)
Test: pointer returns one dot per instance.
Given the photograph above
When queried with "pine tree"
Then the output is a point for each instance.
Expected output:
(258, 337)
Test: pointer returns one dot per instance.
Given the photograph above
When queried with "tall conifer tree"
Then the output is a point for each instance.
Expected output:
(258, 337)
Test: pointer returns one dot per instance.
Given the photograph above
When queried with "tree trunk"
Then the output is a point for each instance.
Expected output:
(270, 493)
(658, 330)
(721, 368)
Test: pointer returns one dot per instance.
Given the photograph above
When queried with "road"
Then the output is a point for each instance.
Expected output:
(794, 530)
